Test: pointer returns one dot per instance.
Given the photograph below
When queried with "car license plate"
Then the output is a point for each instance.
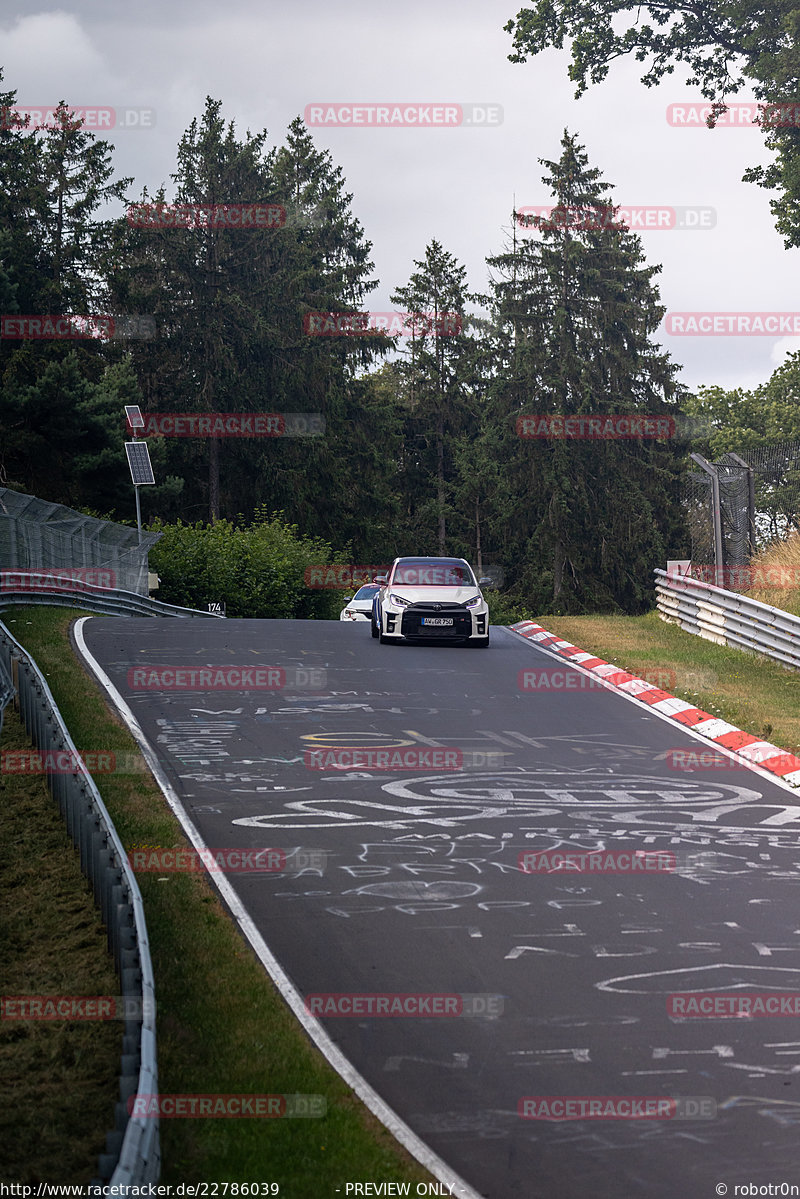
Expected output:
(440, 621)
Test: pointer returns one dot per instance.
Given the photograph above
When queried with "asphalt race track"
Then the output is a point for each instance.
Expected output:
(417, 889)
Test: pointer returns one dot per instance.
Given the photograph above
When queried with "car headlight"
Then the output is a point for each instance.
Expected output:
(473, 603)
(399, 601)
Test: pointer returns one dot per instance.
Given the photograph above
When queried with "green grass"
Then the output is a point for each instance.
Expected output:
(60, 1080)
(779, 562)
(222, 1026)
(755, 694)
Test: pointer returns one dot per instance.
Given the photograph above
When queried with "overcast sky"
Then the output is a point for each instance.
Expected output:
(268, 62)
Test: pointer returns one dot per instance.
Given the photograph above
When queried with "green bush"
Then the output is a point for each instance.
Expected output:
(257, 570)
(508, 608)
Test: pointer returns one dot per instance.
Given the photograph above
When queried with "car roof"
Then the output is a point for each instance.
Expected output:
(430, 558)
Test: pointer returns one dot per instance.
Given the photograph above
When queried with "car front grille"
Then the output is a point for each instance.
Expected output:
(411, 625)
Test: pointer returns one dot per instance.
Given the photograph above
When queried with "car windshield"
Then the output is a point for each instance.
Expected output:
(433, 572)
(367, 592)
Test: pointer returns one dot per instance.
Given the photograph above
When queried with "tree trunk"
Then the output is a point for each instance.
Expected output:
(209, 389)
(559, 553)
(213, 480)
(478, 559)
(440, 483)
(558, 567)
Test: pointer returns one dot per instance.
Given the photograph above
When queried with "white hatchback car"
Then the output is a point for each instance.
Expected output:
(359, 606)
(426, 599)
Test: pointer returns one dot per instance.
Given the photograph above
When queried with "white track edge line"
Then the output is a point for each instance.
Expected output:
(341, 1064)
(670, 720)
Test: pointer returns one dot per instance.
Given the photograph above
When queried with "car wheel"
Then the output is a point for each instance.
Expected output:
(479, 643)
(373, 628)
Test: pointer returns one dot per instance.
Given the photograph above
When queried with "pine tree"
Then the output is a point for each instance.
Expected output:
(581, 308)
(76, 175)
(55, 411)
(230, 305)
(439, 374)
(329, 271)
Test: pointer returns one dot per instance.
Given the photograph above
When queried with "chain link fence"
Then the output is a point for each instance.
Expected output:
(37, 535)
(742, 502)
(699, 503)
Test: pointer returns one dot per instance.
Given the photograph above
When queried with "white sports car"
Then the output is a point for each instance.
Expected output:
(422, 599)
(359, 606)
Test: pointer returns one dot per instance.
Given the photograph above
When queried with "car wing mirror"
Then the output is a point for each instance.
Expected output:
(381, 579)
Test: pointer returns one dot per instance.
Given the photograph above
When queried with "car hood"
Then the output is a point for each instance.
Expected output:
(430, 594)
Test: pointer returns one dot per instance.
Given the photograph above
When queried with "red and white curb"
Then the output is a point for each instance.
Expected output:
(761, 753)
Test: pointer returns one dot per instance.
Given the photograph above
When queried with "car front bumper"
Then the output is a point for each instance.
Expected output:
(410, 624)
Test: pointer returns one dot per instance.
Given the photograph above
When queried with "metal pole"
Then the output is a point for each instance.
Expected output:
(716, 515)
(136, 489)
(138, 514)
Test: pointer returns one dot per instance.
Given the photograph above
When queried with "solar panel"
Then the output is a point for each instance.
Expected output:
(139, 463)
(134, 416)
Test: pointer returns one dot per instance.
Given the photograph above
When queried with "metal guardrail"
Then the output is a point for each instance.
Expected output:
(728, 618)
(132, 1152)
(7, 691)
(78, 594)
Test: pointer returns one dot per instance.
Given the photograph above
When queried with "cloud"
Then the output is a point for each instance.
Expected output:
(52, 57)
(780, 349)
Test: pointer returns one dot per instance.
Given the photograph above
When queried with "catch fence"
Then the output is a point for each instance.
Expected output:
(37, 535)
